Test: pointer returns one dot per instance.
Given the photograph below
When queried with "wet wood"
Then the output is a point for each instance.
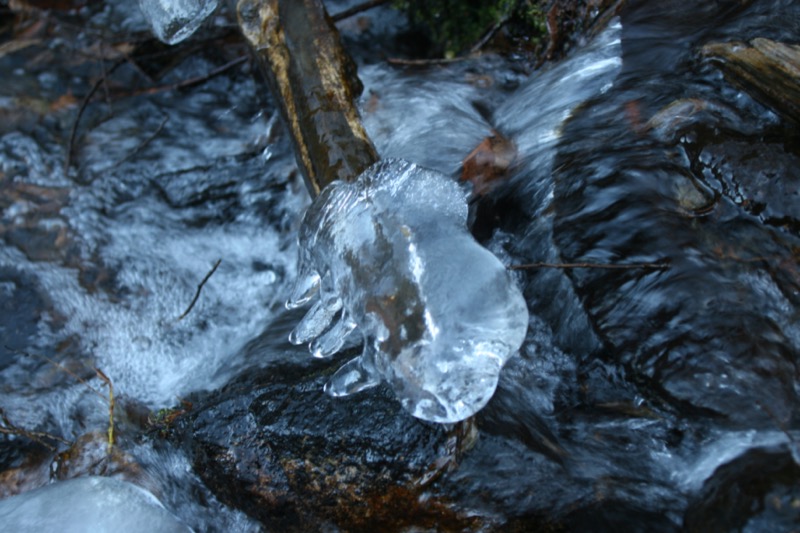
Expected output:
(315, 84)
(768, 70)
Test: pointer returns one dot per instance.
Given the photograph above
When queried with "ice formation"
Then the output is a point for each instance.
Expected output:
(390, 255)
(175, 20)
(97, 504)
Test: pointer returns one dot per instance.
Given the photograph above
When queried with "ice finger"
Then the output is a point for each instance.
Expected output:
(352, 377)
(304, 290)
(316, 320)
(332, 340)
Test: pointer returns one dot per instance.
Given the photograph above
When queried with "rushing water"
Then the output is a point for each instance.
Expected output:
(633, 386)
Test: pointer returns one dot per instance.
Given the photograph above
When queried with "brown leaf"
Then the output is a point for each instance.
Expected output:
(488, 163)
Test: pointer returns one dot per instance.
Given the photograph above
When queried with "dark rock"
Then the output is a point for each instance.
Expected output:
(23, 466)
(275, 446)
(757, 491)
(763, 178)
(700, 335)
(616, 515)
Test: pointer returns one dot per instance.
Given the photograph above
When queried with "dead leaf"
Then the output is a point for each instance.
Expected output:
(488, 163)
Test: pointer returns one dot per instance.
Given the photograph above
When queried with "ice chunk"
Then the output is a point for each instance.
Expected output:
(88, 504)
(175, 20)
(439, 314)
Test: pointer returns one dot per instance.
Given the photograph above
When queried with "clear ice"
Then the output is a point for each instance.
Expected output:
(174, 20)
(97, 504)
(389, 255)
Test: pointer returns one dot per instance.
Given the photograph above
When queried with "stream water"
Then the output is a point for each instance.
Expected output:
(653, 398)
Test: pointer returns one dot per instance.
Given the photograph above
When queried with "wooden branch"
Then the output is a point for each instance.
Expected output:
(315, 85)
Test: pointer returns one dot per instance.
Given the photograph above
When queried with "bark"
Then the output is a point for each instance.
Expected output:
(315, 85)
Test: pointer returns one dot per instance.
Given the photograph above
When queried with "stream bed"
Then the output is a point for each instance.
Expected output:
(657, 393)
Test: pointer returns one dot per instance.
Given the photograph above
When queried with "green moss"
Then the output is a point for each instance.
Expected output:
(455, 25)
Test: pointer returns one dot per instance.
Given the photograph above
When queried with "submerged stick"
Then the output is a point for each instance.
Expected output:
(60, 367)
(37, 436)
(315, 85)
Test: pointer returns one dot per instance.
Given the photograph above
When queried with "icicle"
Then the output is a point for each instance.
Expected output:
(355, 375)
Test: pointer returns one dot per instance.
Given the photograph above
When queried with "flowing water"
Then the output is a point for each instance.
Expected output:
(633, 387)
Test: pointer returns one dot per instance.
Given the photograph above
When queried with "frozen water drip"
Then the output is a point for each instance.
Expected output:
(389, 255)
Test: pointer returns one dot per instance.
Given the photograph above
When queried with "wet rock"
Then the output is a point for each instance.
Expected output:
(768, 70)
(618, 515)
(757, 491)
(714, 334)
(23, 466)
(278, 448)
(700, 334)
(762, 178)
(31, 218)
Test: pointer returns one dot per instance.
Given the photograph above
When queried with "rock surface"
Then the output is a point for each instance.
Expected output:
(278, 448)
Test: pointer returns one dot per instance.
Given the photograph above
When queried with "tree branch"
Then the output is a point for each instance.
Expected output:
(315, 84)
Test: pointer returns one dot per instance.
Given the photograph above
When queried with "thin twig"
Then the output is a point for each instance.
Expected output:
(489, 34)
(84, 105)
(36, 436)
(107, 381)
(150, 90)
(191, 81)
(200, 288)
(60, 367)
(355, 10)
(608, 266)
(144, 143)
(425, 62)
(100, 374)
